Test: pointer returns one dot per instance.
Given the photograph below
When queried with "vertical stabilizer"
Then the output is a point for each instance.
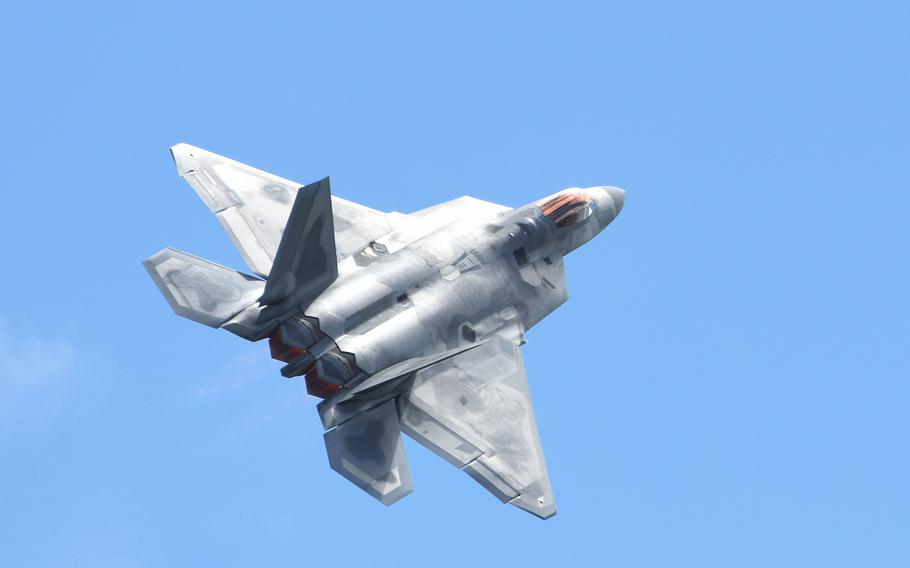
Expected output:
(368, 451)
(305, 264)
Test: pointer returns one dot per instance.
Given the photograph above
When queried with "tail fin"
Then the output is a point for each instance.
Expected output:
(305, 264)
(368, 451)
(251, 204)
(201, 290)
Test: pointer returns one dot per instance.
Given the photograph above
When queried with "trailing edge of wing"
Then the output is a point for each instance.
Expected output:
(474, 410)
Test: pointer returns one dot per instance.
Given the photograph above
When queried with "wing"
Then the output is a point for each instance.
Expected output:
(253, 206)
(411, 227)
(474, 410)
(459, 208)
(356, 226)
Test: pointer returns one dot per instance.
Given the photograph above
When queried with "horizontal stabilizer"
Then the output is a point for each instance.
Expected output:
(201, 290)
(305, 263)
(368, 451)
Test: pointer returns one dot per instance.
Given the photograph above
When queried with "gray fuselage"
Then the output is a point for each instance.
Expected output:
(459, 283)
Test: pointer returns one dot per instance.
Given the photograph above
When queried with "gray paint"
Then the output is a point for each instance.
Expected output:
(479, 401)
(305, 263)
(201, 290)
(367, 450)
(419, 319)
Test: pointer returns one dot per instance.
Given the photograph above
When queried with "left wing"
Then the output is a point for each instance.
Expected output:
(474, 410)
(253, 206)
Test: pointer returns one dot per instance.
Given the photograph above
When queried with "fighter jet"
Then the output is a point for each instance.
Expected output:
(398, 322)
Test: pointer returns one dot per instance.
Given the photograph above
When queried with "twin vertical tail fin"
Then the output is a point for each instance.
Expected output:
(305, 263)
(368, 451)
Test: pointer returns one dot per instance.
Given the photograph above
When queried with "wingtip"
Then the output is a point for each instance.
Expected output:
(541, 505)
(184, 156)
(543, 512)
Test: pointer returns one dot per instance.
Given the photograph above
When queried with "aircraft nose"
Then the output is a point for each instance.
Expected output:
(609, 202)
(618, 196)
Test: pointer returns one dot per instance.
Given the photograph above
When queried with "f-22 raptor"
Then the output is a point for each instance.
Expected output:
(399, 322)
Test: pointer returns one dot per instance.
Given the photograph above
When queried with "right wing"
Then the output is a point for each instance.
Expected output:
(253, 206)
(474, 410)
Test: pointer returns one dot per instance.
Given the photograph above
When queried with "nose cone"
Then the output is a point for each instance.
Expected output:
(618, 196)
(609, 202)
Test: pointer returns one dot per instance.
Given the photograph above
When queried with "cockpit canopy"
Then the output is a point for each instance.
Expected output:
(567, 207)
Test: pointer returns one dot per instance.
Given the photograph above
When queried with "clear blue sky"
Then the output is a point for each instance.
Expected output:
(727, 386)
